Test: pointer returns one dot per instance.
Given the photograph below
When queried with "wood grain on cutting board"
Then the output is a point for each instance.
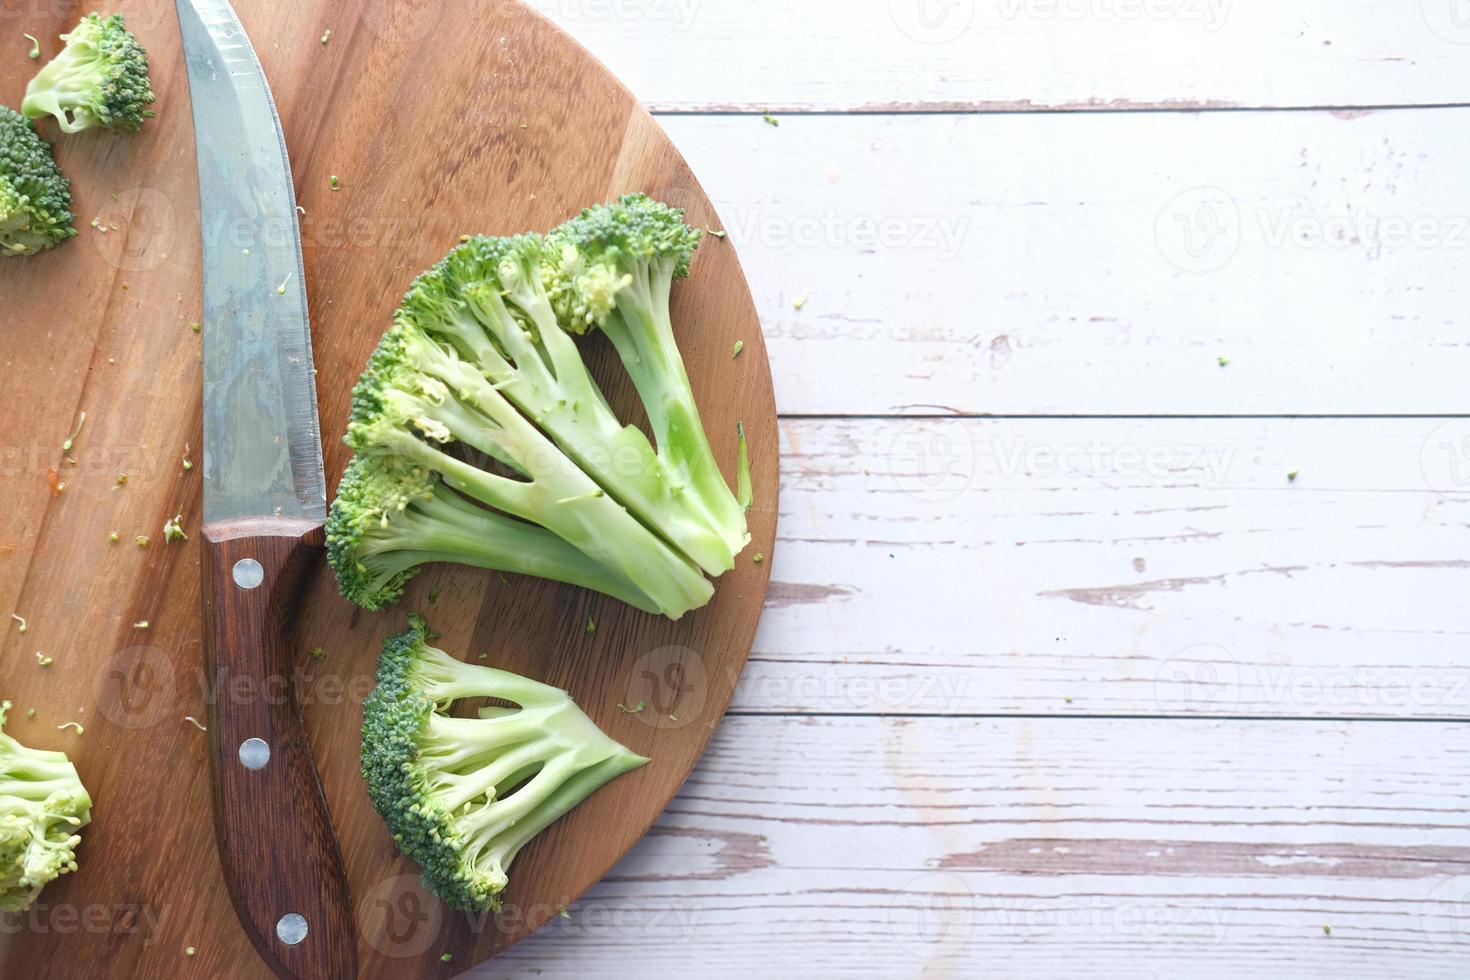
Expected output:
(439, 119)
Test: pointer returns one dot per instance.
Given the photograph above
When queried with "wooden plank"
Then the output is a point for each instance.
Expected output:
(1023, 848)
(1070, 566)
(1021, 55)
(1042, 264)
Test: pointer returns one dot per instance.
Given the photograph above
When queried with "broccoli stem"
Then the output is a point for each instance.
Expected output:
(643, 334)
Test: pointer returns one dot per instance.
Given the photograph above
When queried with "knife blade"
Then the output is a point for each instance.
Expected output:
(264, 508)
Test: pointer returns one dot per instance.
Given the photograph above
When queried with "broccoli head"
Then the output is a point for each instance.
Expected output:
(462, 796)
(42, 806)
(99, 79)
(35, 197)
(391, 518)
(612, 268)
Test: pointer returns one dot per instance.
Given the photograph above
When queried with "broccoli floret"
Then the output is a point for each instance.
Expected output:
(42, 806)
(462, 796)
(418, 395)
(35, 197)
(389, 519)
(99, 79)
(488, 301)
(613, 268)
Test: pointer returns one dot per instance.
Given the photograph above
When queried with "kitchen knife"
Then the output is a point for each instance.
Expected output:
(264, 507)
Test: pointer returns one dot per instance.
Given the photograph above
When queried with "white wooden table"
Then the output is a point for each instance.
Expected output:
(1063, 673)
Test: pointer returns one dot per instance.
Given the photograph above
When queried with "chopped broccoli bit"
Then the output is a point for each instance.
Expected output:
(771, 120)
(1223, 361)
(317, 653)
(716, 234)
(799, 303)
(462, 796)
(447, 958)
(30, 712)
(21, 620)
(141, 624)
(141, 541)
(1291, 477)
(735, 351)
(122, 479)
(637, 709)
(746, 493)
(72, 724)
(35, 51)
(189, 951)
(173, 529)
(81, 420)
(334, 183)
(561, 911)
(43, 660)
(326, 36)
(113, 536)
(42, 806)
(35, 197)
(760, 558)
(591, 627)
(99, 79)
(195, 722)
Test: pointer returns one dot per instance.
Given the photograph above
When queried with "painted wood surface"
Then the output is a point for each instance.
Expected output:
(1024, 55)
(1067, 264)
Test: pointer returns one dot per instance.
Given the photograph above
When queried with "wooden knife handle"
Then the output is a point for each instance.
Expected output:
(281, 859)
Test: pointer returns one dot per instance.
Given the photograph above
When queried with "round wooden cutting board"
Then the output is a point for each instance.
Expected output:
(440, 118)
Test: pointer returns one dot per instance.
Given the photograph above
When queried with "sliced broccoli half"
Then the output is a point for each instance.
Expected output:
(488, 300)
(462, 796)
(35, 197)
(613, 268)
(42, 806)
(390, 519)
(99, 79)
(420, 404)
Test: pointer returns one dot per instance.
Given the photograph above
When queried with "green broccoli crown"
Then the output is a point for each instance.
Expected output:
(364, 536)
(99, 79)
(593, 257)
(42, 806)
(462, 796)
(35, 197)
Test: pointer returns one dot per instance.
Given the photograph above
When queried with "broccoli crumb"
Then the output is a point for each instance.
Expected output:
(334, 183)
(81, 420)
(21, 620)
(591, 626)
(1223, 361)
(561, 911)
(281, 289)
(189, 951)
(717, 234)
(758, 558)
(326, 36)
(113, 537)
(141, 624)
(504, 579)
(122, 479)
(735, 351)
(771, 120)
(195, 326)
(71, 724)
(637, 709)
(141, 541)
(1326, 930)
(317, 653)
(43, 660)
(799, 303)
(447, 958)
(173, 530)
(195, 722)
(30, 712)
(1291, 477)
(35, 52)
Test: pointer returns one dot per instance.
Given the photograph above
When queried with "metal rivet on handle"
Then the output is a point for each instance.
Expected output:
(254, 753)
(248, 573)
(291, 928)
